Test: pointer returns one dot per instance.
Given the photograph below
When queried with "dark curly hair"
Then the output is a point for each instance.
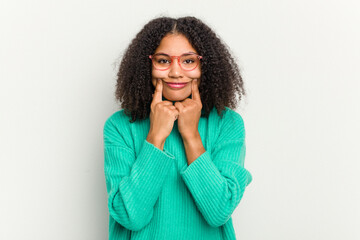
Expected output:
(220, 76)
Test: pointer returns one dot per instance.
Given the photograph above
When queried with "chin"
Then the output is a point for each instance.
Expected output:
(176, 98)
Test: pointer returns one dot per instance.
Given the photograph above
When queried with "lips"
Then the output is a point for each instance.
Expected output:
(176, 84)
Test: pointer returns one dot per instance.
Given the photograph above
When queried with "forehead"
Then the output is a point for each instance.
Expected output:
(174, 44)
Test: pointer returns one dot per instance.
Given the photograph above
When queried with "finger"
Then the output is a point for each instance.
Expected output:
(179, 106)
(158, 92)
(195, 95)
(167, 103)
(187, 102)
(176, 114)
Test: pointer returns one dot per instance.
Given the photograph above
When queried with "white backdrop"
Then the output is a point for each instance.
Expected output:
(300, 62)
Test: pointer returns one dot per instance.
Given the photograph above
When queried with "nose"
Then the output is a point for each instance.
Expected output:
(175, 69)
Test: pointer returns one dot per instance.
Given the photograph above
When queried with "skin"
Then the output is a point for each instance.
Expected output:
(175, 45)
(185, 110)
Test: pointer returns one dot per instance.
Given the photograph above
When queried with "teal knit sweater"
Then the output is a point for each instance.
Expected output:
(155, 194)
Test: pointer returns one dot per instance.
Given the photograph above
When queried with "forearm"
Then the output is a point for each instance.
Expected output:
(134, 183)
(193, 147)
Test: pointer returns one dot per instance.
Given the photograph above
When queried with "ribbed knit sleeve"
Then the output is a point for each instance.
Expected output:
(133, 184)
(217, 178)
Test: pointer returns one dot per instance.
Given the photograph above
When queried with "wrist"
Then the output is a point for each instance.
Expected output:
(159, 143)
(191, 137)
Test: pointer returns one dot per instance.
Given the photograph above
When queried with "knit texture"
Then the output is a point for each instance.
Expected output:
(155, 194)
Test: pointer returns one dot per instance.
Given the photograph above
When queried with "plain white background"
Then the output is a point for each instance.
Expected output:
(300, 62)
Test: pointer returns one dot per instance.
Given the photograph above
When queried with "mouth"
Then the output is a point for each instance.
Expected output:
(176, 85)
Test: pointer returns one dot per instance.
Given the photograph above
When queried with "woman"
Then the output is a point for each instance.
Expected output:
(174, 156)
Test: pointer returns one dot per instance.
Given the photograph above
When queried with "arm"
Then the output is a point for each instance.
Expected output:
(193, 147)
(217, 180)
(133, 184)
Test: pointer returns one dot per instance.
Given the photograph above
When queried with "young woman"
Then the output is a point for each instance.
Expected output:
(174, 156)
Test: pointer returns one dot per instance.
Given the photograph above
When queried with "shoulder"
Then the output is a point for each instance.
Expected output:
(117, 131)
(231, 121)
(118, 116)
(234, 118)
(117, 121)
(229, 116)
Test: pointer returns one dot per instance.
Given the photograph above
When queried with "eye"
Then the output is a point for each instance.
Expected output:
(188, 61)
(163, 61)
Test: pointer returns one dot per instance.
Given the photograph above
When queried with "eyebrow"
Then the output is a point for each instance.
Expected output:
(161, 53)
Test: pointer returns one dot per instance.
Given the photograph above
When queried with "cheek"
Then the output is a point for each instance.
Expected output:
(194, 74)
(153, 82)
(164, 74)
(157, 74)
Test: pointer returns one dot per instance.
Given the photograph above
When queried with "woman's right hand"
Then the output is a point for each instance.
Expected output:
(162, 117)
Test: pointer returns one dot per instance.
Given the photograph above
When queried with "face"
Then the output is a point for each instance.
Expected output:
(175, 45)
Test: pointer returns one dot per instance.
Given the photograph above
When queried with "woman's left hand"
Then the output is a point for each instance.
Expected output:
(189, 113)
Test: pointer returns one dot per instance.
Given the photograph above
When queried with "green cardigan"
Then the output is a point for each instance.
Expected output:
(155, 194)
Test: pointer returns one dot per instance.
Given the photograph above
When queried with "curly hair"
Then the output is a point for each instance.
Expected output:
(220, 76)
